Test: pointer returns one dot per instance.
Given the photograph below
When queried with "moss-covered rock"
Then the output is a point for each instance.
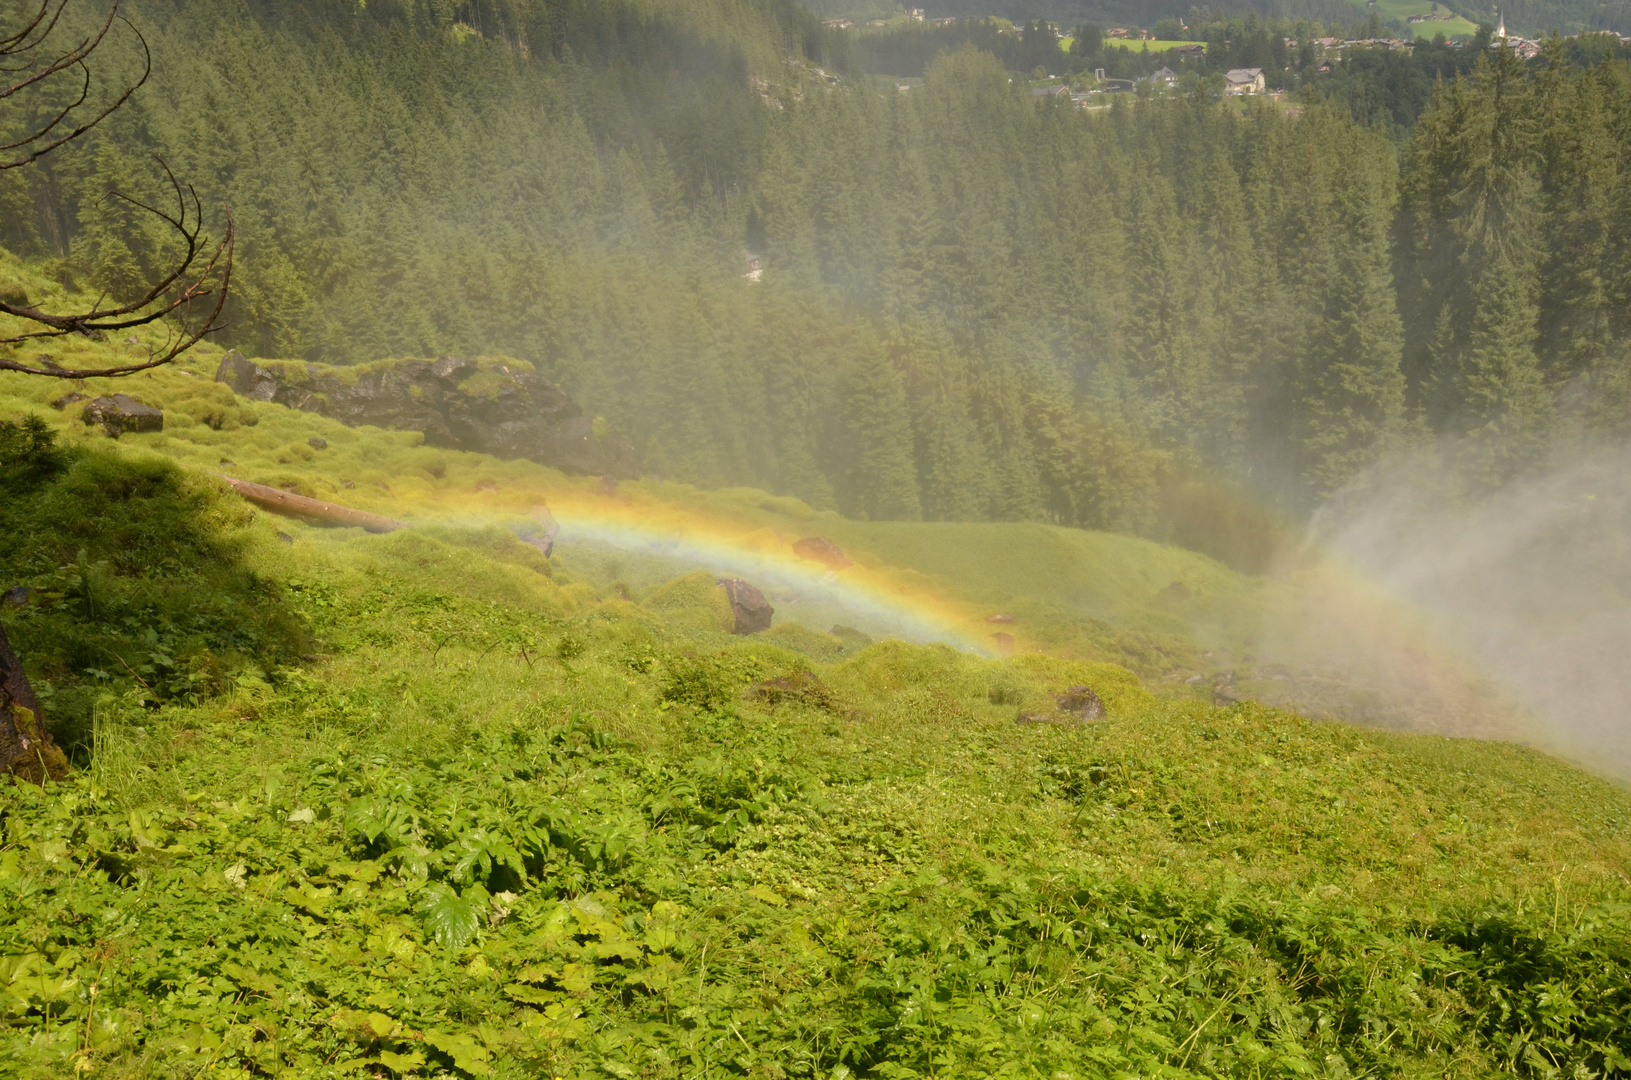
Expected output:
(695, 600)
(495, 405)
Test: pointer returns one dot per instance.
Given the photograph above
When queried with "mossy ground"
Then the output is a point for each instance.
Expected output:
(420, 804)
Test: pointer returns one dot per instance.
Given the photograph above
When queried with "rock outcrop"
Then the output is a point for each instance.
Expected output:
(492, 406)
(119, 413)
(753, 612)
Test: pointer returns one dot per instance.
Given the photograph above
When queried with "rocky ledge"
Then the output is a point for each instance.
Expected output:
(493, 406)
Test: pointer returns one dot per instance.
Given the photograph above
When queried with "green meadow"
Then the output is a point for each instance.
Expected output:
(428, 804)
(1138, 46)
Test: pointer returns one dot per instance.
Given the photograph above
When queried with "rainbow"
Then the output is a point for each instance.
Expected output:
(1325, 614)
(601, 532)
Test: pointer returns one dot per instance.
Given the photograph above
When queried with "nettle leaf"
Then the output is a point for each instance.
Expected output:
(452, 920)
(530, 995)
(411, 860)
(479, 850)
(467, 1054)
(372, 819)
(401, 1063)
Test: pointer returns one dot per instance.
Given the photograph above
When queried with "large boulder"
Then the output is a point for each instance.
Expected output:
(820, 549)
(247, 378)
(492, 406)
(119, 413)
(1081, 702)
(753, 612)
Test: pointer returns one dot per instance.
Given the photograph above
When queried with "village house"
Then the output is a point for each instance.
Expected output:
(1243, 81)
(1044, 92)
(1187, 53)
(1165, 76)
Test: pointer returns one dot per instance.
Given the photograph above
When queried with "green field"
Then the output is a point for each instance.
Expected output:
(431, 804)
(1140, 46)
(1403, 9)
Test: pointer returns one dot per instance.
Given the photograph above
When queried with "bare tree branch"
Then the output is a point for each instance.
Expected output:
(185, 286)
(25, 45)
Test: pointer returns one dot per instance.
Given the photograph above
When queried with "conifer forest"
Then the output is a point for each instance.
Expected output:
(971, 306)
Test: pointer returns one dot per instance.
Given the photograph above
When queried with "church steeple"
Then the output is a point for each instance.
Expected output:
(1500, 25)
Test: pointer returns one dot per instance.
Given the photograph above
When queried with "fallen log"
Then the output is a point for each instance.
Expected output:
(313, 510)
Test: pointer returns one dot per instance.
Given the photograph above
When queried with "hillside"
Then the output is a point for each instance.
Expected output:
(429, 803)
(1084, 458)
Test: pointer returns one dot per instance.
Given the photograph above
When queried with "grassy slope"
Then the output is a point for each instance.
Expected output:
(1403, 9)
(494, 825)
(1140, 45)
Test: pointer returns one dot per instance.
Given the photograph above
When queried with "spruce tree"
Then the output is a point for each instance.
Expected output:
(881, 481)
(1352, 386)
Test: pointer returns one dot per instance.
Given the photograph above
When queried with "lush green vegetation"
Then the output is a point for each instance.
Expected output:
(419, 804)
(432, 804)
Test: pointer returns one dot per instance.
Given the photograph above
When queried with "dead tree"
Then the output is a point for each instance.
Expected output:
(193, 290)
(26, 750)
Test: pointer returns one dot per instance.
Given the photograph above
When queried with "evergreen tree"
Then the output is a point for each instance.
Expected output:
(1352, 386)
(877, 431)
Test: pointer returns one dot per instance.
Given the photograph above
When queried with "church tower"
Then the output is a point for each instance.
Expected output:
(1500, 25)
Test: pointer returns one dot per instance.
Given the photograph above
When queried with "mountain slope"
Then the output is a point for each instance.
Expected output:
(451, 812)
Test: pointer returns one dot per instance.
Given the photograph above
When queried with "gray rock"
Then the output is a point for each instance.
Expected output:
(452, 368)
(317, 443)
(753, 612)
(1080, 701)
(17, 594)
(541, 531)
(247, 378)
(67, 399)
(119, 413)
